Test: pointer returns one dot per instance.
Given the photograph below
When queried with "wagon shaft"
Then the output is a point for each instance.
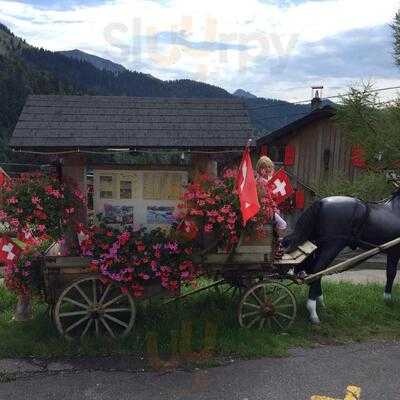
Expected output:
(352, 262)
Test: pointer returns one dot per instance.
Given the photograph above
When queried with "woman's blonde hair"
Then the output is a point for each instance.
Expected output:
(265, 162)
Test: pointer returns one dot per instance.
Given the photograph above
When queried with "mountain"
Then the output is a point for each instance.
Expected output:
(244, 94)
(98, 62)
(25, 70)
(10, 43)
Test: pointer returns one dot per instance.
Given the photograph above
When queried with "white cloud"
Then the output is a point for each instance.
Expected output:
(120, 29)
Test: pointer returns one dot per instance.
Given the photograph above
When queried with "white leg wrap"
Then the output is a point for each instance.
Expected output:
(387, 296)
(321, 301)
(312, 309)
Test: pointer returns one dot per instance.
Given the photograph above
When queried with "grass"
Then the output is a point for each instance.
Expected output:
(353, 313)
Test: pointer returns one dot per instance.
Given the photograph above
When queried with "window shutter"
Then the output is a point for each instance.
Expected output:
(264, 150)
(290, 155)
(299, 199)
(358, 156)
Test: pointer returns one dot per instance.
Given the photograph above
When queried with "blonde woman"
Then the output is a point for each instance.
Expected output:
(265, 169)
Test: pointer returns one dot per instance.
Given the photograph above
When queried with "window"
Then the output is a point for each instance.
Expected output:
(125, 189)
(106, 187)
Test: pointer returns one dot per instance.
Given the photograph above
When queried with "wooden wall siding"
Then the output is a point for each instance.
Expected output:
(310, 143)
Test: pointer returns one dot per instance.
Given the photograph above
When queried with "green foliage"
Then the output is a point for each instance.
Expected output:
(372, 125)
(396, 37)
(370, 186)
(17, 81)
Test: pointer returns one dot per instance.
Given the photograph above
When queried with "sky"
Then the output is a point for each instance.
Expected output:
(271, 48)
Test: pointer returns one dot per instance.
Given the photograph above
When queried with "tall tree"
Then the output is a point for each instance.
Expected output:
(396, 37)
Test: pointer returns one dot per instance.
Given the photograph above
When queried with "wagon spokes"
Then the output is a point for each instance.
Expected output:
(268, 304)
(107, 310)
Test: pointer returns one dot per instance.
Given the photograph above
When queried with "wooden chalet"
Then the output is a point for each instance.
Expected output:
(313, 149)
(204, 131)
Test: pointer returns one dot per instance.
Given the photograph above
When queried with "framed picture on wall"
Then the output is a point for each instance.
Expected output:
(160, 215)
(118, 214)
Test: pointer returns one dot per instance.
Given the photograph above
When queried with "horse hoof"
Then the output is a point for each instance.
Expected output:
(315, 321)
(387, 297)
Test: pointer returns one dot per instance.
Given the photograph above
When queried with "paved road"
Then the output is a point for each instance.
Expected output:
(362, 276)
(322, 371)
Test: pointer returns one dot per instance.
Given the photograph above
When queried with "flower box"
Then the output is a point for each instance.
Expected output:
(251, 249)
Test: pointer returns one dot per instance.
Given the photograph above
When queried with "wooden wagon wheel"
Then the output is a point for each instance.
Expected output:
(88, 306)
(268, 304)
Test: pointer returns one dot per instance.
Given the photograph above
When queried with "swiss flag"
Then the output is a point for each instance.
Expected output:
(280, 187)
(247, 188)
(9, 251)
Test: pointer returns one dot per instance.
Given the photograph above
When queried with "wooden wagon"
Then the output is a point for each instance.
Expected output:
(82, 302)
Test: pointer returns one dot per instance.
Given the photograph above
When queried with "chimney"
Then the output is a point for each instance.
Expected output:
(316, 96)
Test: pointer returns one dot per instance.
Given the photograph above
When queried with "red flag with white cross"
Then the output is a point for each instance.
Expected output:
(280, 186)
(247, 188)
(9, 251)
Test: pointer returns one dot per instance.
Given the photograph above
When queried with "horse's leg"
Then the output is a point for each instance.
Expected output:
(325, 255)
(392, 260)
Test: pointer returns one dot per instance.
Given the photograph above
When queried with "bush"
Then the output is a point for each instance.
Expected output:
(370, 186)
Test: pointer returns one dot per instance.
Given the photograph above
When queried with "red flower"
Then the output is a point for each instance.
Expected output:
(39, 214)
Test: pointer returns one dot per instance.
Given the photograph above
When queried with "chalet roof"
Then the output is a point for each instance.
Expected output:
(313, 116)
(70, 122)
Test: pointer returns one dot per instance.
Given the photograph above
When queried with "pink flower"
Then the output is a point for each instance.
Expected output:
(153, 265)
(208, 228)
(144, 276)
(12, 200)
(35, 200)
(70, 210)
(14, 222)
(123, 238)
(79, 196)
(3, 215)
(55, 193)
(41, 228)
(172, 246)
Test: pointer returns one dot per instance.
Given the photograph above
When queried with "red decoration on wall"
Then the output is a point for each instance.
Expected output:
(264, 150)
(299, 199)
(290, 155)
(358, 156)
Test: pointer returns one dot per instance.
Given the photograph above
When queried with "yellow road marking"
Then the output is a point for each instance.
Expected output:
(352, 393)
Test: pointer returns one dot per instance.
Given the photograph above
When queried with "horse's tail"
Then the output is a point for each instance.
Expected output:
(304, 229)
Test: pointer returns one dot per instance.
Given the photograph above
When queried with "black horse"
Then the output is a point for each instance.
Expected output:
(334, 223)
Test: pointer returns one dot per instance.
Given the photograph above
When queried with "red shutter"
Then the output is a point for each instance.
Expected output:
(299, 199)
(264, 150)
(358, 156)
(290, 155)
